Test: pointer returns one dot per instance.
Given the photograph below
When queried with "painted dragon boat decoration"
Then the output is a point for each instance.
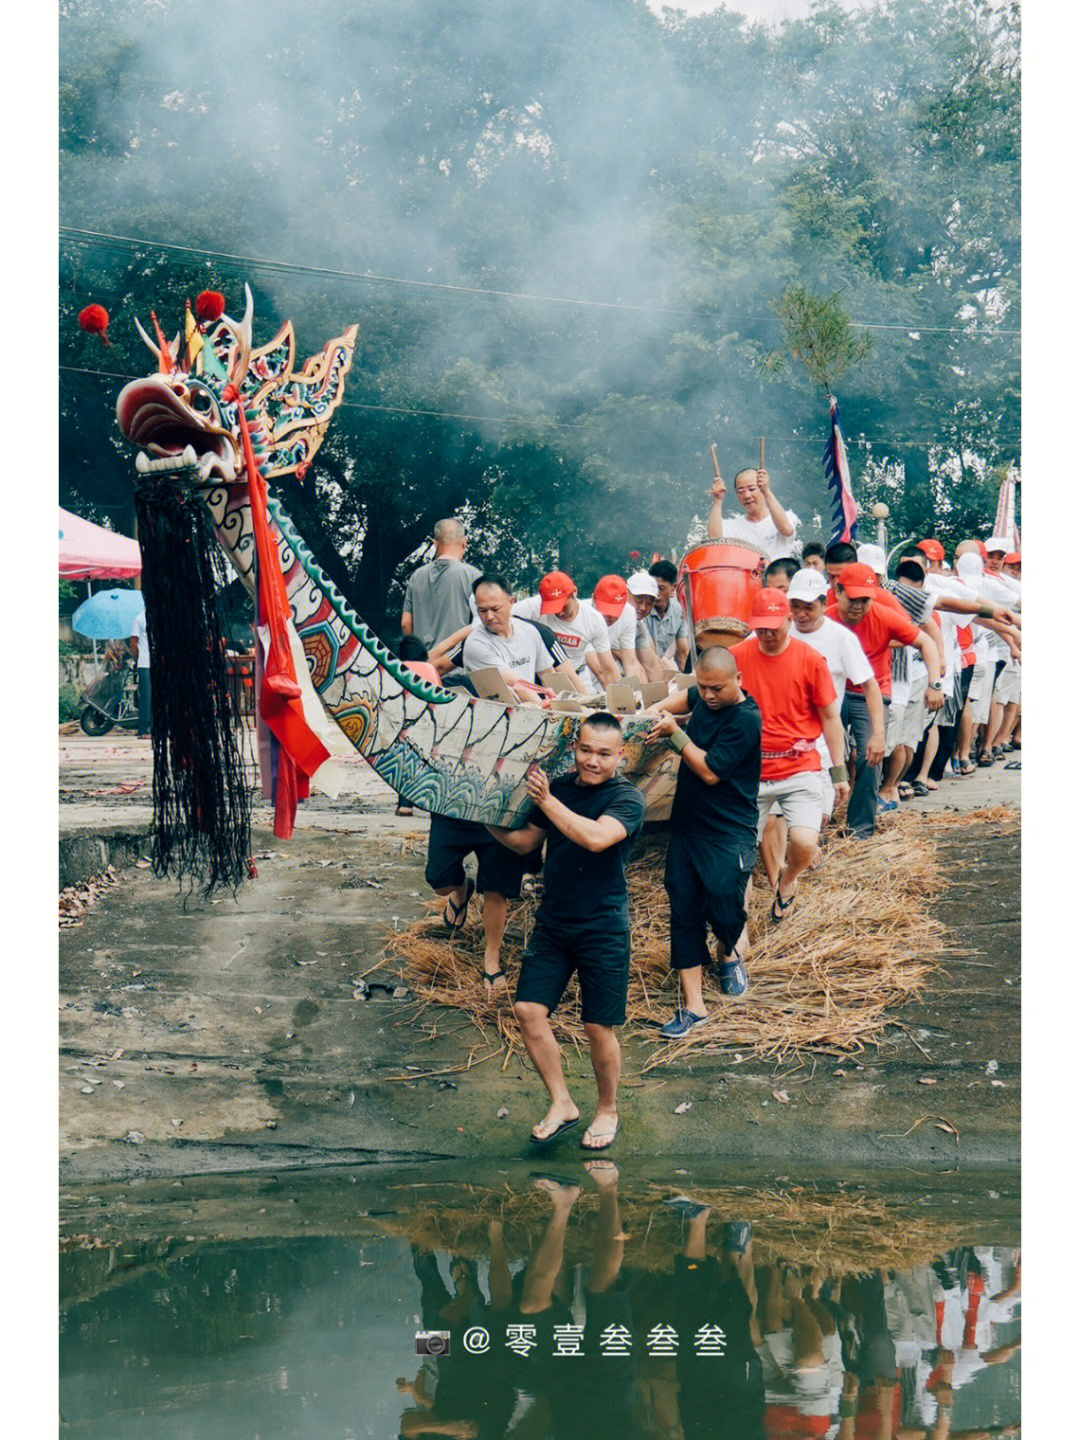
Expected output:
(216, 419)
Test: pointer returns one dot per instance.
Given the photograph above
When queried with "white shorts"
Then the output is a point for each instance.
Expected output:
(799, 797)
(828, 789)
(979, 695)
(1007, 690)
(894, 716)
(813, 1392)
(915, 720)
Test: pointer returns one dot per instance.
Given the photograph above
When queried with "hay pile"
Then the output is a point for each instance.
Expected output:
(838, 1231)
(859, 943)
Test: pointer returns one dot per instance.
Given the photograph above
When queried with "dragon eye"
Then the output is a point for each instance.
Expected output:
(202, 402)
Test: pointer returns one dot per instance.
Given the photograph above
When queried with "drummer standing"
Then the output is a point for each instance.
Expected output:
(765, 522)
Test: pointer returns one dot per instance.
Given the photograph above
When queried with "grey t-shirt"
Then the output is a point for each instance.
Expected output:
(522, 651)
(437, 597)
(667, 628)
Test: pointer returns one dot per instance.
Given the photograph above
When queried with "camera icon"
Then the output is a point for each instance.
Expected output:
(433, 1342)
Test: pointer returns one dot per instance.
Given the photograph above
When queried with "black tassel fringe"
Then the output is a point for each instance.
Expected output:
(202, 800)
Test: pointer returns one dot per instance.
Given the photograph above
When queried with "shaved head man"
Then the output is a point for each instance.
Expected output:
(713, 842)
(437, 596)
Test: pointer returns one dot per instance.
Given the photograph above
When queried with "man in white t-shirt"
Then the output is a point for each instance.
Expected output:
(862, 710)
(764, 523)
(582, 633)
(140, 648)
(517, 651)
(626, 633)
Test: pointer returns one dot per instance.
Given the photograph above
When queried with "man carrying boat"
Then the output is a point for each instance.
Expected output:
(590, 820)
(518, 651)
(713, 844)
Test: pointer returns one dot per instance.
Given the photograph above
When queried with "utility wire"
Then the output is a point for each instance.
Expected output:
(818, 442)
(295, 268)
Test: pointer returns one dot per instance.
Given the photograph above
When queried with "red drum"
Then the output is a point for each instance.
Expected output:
(716, 585)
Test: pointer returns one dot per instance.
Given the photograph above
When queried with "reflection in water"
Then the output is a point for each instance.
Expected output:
(557, 1310)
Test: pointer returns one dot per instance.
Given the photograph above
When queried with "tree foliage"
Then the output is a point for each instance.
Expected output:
(662, 191)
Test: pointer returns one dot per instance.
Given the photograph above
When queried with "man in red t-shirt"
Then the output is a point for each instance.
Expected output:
(877, 626)
(795, 693)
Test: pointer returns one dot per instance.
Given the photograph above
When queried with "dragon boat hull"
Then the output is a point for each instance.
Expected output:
(441, 749)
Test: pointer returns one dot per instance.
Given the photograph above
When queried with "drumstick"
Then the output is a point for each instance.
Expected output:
(715, 461)
(761, 453)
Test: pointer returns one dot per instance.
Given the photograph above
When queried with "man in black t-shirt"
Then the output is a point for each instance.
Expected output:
(590, 820)
(713, 843)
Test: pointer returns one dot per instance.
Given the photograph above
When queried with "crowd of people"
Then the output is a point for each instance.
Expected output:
(853, 691)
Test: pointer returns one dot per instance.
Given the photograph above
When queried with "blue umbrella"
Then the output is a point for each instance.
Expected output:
(109, 615)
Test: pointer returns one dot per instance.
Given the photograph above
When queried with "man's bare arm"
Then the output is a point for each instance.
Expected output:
(776, 510)
(593, 835)
(523, 841)
(716, 514)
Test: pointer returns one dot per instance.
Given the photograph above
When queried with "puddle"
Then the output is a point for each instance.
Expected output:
(542, 1302)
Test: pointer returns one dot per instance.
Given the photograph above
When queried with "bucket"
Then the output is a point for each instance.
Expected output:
(716, 586)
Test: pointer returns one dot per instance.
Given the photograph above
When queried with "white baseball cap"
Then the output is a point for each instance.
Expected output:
(969, 566)
(874, 556)
(808, 585)
(642, 583)
(1000, 542)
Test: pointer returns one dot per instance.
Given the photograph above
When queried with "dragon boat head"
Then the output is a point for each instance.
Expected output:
(186, 414)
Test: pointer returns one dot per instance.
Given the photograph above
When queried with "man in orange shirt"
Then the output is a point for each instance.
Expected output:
(797, 699)
(858, 606)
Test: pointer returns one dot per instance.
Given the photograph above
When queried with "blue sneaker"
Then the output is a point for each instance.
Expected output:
(733, 977)
(684, 1022)
(685, 1206)
(737, 1235)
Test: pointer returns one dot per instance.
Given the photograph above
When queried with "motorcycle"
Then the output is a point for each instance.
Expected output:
(111, 699)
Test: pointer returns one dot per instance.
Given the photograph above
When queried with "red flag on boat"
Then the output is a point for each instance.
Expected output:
(296, 751)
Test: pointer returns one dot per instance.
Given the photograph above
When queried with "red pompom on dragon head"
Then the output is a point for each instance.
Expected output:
(94, 319)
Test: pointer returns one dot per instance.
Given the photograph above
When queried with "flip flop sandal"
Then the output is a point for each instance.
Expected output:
(560, 1181)
(904, 790)
(920, 788)
(784, 905)
(490, 977)
(457, 924)
(966, 767)
(985, 760)
(1011, 765)
(607, 1136)
(547, 1139)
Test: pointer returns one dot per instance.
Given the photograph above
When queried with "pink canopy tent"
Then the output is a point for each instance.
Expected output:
(90, 552)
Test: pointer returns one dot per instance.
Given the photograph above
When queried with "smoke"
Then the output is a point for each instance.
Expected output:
(592, 151)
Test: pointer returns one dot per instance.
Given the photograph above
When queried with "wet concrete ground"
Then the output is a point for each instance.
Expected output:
(228, 1036)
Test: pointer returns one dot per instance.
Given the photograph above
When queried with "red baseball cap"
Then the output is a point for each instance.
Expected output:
(769, 609)
(982, 549)
(1013, 559)
(555, 590)
(858, 581)
(932, 549)
(611, 596)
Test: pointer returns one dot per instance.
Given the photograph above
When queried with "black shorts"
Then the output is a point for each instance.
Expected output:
(497, 868)
(601, 959)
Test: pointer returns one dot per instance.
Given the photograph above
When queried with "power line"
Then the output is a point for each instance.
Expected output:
(818, 442)
(295, 268)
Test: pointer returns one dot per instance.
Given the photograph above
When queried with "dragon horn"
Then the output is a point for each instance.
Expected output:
(241, 333)
(148, 342)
